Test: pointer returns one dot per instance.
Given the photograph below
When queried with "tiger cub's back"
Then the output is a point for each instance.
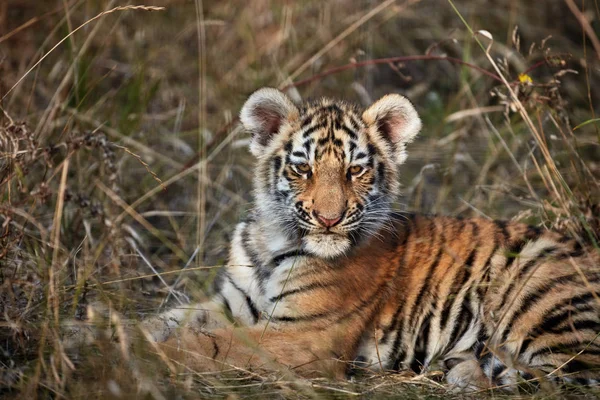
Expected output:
(506, 294)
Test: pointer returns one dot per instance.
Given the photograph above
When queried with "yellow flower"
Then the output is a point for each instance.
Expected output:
(524, 78)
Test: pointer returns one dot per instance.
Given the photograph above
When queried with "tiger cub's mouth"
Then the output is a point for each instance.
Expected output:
(326, 244)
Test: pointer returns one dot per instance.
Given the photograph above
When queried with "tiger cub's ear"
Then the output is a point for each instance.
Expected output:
(395, 120)
(263, 114)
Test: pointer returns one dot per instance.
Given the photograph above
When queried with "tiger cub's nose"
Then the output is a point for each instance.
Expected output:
(326, 221)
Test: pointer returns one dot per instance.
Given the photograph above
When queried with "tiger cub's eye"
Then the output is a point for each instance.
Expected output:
(302, 168)
(355, 170)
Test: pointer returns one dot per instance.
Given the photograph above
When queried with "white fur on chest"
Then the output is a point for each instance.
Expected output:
(247, 285)
(279, 284)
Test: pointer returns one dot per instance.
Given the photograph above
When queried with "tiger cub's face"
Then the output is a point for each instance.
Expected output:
(327, 173)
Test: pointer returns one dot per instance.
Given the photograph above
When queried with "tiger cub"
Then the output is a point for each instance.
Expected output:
(323, 275)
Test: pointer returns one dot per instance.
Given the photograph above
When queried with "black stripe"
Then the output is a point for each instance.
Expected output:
(308, 144)
(461, 323)
(487, 268)
(568, 349)
(577, 249)
(303, 289)
(418, 361)
(561, 313)
(479, 347)
(524, 271)
(276, 165)
(337, 124)
(331, 108)
(556, 315)
(393, 325)
(313, 128)
(398, 359)
(425, 287)
(371, 150)
(380, 172)
(227, 306)
(534, 298)
(261, 273)
(525, 345)
(578, 366)
(581, 325)
(282, 195)
(498, 369)
(214, 343)
(533, 232)
(299, 154)
(307, 120)
(246, 246)
(535, 261)
(355, 122)
(447, 305)
(330, 134)
(502, 225)
(352, 146)
(350, 132)
(398, 320)
(424, 332)
(514, 252)
(431, 270)
(304, 318)
(294, 253)
(359, 155)
(527, 376)
(249, 302)
(215, 347)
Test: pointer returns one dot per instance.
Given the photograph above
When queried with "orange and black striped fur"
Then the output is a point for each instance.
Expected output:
(323, 275)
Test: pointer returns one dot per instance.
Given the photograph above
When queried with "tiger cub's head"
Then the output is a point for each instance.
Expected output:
(327, 172)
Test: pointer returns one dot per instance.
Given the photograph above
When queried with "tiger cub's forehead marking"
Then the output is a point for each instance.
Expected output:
(329, 128)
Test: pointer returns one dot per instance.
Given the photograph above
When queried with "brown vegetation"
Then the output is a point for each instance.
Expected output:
(123, 171)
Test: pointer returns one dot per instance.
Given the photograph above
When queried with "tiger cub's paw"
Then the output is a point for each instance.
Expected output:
(200, 316)
(99, 323)
(467, 376)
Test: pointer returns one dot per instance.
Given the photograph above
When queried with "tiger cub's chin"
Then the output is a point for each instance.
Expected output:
(326, 245)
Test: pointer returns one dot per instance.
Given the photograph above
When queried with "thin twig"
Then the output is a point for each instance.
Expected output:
(575, 356)
(181, 303)
(179, 277)
(389, 60)
(137, 157)
(52, 284)
(202, 175)
(353, 27)
(143, 221)
(177, 271)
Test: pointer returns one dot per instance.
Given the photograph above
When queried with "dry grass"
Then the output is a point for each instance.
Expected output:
(123, 172)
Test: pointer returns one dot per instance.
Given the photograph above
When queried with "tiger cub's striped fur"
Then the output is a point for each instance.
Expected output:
(323, 274)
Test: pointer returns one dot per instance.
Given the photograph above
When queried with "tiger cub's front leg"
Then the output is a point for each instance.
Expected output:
(260, 346)
(212, 314)
(204, 316)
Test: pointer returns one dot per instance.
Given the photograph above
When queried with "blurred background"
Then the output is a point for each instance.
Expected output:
(122, 158)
